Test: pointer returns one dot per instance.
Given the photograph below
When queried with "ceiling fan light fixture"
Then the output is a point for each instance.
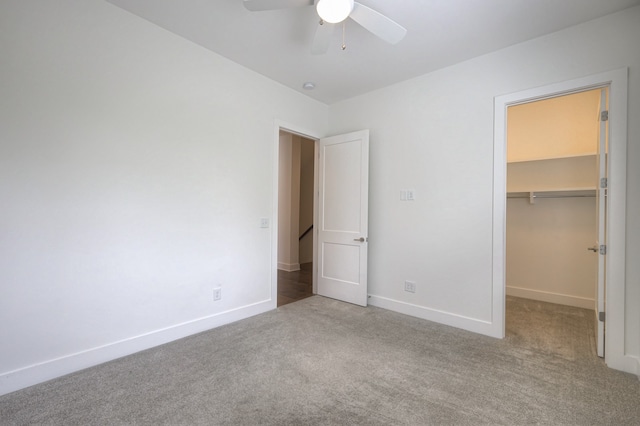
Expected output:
(334, 11)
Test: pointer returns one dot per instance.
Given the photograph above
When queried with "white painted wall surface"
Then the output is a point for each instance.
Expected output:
(434, 133)
(284, 201)
(547, 256)
(307, 152)
(289, 201)
(563, 126)
(294, 206)
(134, 169)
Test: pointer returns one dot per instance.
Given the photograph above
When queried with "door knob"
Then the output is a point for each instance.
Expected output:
(593, 249)
(361, 239)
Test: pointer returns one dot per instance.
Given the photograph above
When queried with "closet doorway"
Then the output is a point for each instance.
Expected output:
(296, 179)
(552, 219)
(616, 324)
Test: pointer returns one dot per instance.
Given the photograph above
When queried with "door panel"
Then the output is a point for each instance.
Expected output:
(337, 261)
(342, 184)
(343, 217)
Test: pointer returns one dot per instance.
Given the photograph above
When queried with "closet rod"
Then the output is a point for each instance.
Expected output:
(552, 196)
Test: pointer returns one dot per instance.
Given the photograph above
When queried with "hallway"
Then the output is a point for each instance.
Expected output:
(296, 285)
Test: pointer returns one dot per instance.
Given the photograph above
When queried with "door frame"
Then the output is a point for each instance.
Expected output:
(308, 134)
(617, 81)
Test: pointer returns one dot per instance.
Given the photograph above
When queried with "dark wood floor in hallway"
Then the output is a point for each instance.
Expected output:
(294, 286)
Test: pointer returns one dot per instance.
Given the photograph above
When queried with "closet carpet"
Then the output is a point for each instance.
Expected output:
(320, 361)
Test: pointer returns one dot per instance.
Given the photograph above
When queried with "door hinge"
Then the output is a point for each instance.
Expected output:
(601, 316)
(604, 116)
(603, 249)
(604, 182)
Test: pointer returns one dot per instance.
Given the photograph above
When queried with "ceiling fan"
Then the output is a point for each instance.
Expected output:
(336, 11)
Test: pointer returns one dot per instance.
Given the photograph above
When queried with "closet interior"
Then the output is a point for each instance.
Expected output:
(552, 153)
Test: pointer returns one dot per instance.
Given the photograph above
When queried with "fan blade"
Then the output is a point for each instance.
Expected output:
(258, 5)
(378, 24)
(322, 38)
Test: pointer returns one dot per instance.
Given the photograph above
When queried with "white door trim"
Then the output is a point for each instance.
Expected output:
(280, 125)
(617, 80)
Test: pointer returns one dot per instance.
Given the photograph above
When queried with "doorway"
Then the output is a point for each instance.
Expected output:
(296, 180)
(552, 222)
(614, 326)
(340, 205)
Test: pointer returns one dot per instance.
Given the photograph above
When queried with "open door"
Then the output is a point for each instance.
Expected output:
(343, 185)
(601, 214)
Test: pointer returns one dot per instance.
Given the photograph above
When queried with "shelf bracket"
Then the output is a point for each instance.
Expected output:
(532, 197)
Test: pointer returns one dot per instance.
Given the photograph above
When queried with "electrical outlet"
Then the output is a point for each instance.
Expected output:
(407, 195)
(410, 286)
(217, 294)
(264, 222)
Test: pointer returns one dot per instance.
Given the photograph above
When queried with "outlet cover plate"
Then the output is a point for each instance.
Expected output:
(410, 286)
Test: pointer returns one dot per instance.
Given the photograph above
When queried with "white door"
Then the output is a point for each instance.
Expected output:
(343, 185)
(601, 211)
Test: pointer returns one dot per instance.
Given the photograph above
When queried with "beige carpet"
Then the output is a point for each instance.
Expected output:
(319, 361)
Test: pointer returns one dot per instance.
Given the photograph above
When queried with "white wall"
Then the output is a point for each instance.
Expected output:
(564, 126)
(288, 201)
(295, 200)
(284, 199)
(547, 257)
(134, 168)
(307, 155)
(434, 133)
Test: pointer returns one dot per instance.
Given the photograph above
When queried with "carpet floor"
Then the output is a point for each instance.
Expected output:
(320, 361)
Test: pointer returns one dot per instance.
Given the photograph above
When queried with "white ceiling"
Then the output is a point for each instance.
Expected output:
(440, 33)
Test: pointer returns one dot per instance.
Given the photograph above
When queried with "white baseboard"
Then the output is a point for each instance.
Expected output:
(28, 376)
(442, 317)
(545, 296)
(289, 267)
